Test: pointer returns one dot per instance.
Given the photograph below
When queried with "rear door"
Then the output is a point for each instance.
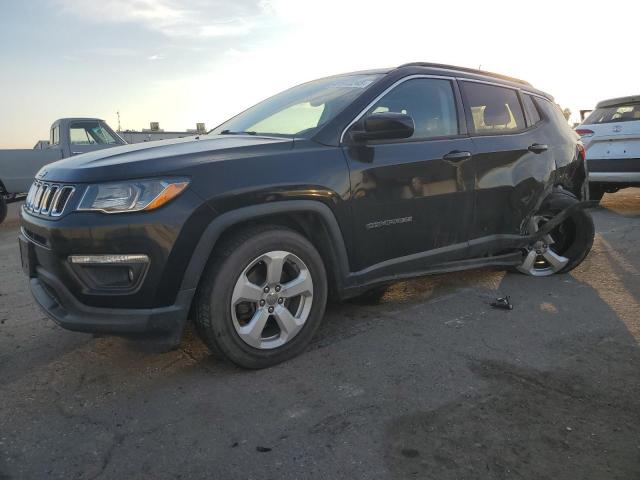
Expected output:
(513, 163)
(413, 195)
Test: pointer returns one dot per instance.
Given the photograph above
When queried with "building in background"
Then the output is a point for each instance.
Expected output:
(154, 132)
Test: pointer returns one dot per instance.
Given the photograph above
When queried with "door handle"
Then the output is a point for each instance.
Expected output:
(538, 148)
(457, 156)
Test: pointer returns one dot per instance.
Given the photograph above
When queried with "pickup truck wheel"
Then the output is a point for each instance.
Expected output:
(262, 297)
(3, 209)
(565, 247)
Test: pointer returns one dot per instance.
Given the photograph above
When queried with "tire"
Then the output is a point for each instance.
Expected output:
(228, 324)
(572, 239)
(3, 209)
(596, 192)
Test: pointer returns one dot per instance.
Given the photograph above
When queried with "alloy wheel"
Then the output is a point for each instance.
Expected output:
(543, 257)
(272, 299)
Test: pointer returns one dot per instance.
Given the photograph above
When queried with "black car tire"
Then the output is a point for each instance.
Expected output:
(596, 192)
(574, 245)
(3, 209)
(213, 316)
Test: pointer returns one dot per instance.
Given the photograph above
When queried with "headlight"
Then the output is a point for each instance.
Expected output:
(131, 196)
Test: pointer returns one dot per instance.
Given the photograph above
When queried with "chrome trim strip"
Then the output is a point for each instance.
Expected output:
(441, 77)
(113, 259)
(57, 210)
(54, 201)
(45, 199)
(38, 198)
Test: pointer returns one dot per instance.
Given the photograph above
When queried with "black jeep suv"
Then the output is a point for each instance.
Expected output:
(331, 188)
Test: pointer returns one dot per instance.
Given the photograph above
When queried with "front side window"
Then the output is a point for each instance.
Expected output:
(90, 134)
(300, 111)
(618, 113)
(430, 102)
(494, 110)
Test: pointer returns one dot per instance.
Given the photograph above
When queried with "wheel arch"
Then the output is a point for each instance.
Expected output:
(312, 219)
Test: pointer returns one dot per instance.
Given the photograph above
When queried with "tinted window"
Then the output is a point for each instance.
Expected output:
(430, 102)
(531, 109)
(493, 109)
(551, 110)
(618, 113)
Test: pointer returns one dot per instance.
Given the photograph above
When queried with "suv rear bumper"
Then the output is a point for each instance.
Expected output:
(623, 170)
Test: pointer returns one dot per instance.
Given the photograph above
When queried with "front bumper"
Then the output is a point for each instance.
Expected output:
(62, 307)
(155, 306)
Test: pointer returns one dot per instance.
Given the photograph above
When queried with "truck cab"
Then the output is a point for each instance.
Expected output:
(67, 137)
(74, 136)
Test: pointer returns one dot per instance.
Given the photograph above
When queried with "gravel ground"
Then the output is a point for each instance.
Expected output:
(430, 383)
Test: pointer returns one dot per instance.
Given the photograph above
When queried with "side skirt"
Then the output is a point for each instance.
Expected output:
(356, 286)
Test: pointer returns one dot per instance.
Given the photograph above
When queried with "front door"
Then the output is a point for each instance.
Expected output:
(414, 195)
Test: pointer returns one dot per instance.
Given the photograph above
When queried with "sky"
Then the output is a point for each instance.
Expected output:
(179, 62)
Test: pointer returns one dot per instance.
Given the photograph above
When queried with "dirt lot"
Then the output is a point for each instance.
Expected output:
(431, 383)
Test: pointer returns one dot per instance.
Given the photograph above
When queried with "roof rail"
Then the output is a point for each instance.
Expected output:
(466, 70)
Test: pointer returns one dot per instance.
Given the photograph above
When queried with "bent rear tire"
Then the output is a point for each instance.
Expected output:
(3, 209)
(596, 192)
(565, 247)
(262, 297)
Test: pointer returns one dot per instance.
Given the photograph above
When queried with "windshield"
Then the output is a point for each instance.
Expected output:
(618, 113)
(299, 111)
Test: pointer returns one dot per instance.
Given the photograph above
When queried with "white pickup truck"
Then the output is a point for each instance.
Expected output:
(68, 136)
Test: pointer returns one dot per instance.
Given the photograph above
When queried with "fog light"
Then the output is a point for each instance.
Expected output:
(102, 259)
(110, 273)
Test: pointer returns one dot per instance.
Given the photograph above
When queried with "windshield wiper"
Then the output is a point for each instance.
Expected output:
(229, 132)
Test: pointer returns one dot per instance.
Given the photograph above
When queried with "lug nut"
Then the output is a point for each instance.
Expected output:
(278, 288)
(280, 300)
(262, 303)
(270, 309)
(266, 290)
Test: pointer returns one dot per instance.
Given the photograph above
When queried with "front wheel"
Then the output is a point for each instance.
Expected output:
(565, 247)
(262, 297)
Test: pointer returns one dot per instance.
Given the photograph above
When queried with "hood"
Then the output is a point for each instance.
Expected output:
(159, 157)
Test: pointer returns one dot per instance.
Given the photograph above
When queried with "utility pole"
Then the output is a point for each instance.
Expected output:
(119, 129)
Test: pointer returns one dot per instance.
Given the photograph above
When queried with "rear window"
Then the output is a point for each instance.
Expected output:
(530, 108)
(551, 110)
(494, 109)
(619, 113)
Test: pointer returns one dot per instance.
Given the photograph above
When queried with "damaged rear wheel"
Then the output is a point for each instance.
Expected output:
(565, 247)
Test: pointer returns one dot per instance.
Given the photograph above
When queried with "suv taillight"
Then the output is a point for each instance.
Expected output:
(582, 151)
(584, 132)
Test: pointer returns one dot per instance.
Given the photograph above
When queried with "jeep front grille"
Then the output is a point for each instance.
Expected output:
(49, 199)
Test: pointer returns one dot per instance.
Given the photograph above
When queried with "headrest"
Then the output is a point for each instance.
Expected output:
(496, 114)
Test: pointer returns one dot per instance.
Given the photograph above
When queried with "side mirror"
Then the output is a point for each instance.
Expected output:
(385, 126)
